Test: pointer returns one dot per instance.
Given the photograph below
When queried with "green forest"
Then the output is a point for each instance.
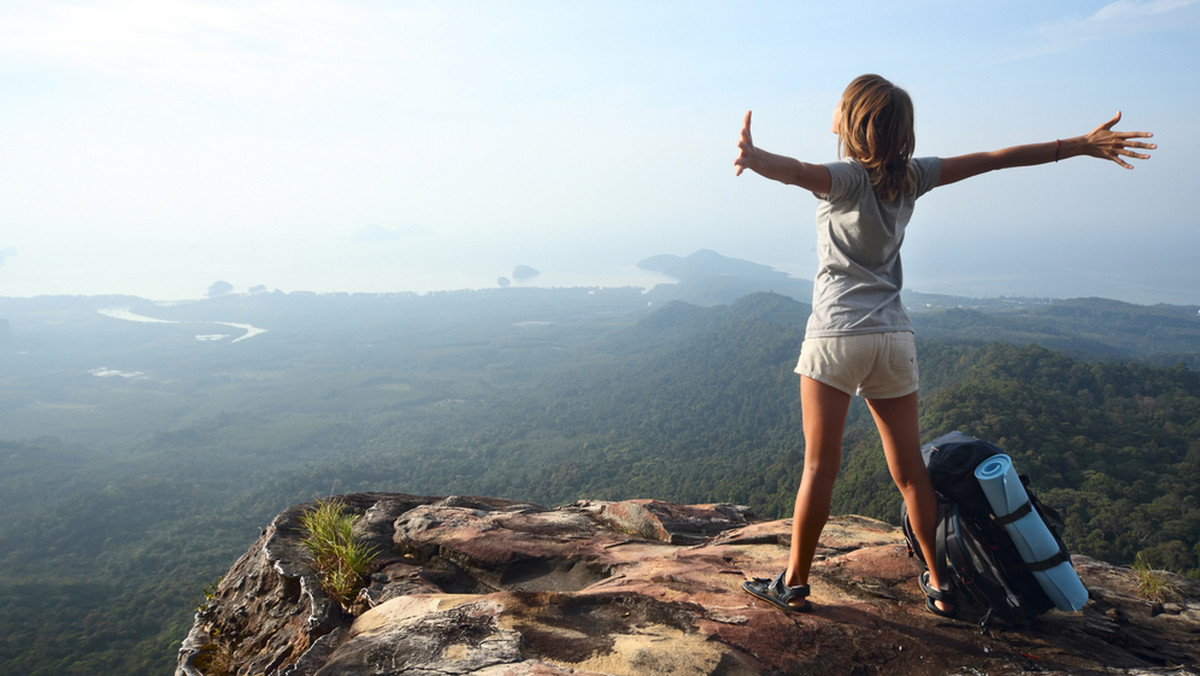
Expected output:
(124, 501)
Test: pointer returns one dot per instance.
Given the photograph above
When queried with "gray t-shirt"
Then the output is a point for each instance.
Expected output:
(857, 287)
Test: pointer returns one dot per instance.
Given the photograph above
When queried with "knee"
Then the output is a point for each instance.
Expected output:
(908, 481)
(908, 471)
(914, 486)
(821, 472)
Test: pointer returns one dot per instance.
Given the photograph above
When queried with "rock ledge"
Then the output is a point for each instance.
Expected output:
(492, 587)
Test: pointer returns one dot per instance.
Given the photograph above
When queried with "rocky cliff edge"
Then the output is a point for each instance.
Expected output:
(491, 587)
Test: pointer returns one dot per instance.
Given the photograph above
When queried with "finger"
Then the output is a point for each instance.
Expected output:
(1124, 138)
(1107, 126)
(746, 122)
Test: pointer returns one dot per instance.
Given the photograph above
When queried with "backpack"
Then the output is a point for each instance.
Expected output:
(974, 549)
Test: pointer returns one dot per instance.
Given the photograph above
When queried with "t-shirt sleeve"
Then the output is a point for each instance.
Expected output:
(846, 179)
(928, 170)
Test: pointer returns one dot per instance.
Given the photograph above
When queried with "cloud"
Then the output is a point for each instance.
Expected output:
(9, 251)
(257, 49)
(122, 38)
(1128, 10)
(188, 45)
(1119, 20)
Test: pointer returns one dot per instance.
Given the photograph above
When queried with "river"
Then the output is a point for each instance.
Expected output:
(127, 315)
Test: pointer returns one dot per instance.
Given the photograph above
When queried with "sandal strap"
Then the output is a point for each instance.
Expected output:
(786, 593)
(934, 593)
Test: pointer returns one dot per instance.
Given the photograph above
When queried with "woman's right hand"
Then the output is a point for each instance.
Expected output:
(814, 177)
(747, 154)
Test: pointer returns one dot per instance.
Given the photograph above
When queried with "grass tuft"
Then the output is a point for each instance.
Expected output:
(203, 601)
(1153, 585)
(340, 559)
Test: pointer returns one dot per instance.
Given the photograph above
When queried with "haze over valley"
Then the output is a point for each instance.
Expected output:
(144, 444)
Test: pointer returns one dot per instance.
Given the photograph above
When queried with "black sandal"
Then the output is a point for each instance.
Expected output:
(777, 593)
(933, 595)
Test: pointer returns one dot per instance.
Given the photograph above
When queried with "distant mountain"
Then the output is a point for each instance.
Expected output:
(707, 263)
(523, 273)
(1082, 327)
(707, 278)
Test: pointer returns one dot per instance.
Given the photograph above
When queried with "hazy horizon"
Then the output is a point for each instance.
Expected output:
(379, 276)
(152, 149)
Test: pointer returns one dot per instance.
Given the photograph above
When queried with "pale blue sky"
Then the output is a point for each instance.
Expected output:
(153, 147)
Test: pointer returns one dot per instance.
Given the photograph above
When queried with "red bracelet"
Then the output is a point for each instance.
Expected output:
(1057, 148)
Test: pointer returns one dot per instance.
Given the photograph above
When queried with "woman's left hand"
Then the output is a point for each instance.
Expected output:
(1106, 144)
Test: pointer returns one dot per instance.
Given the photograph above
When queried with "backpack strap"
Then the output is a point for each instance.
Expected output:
(1014, 516)
(945, 510)
(1047, 564)
(1020, 513)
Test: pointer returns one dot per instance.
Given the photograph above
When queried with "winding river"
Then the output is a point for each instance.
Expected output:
(127, 315)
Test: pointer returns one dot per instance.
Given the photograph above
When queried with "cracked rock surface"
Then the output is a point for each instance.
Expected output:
(491, 587)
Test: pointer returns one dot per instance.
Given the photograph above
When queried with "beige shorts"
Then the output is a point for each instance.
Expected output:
(871, 365)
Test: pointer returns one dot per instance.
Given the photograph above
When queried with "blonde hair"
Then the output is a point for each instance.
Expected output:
(876, 128)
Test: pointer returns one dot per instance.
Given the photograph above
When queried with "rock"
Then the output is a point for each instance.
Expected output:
(667, 522)
(491, 587)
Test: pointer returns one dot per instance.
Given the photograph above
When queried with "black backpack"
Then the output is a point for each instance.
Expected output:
(973, 547)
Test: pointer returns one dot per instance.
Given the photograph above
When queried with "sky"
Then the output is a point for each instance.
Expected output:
(156, 147)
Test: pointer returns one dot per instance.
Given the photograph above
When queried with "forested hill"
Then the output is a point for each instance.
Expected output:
(1116, 445)
(702, 404)
(1158, 334)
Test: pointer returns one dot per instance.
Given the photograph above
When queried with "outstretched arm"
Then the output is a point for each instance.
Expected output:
(814, 177)
(1102, 142)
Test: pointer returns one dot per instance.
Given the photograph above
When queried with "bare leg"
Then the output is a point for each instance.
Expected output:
(899, 429)
(824, 410)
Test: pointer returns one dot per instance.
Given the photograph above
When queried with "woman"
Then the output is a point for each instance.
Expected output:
(859, 338)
